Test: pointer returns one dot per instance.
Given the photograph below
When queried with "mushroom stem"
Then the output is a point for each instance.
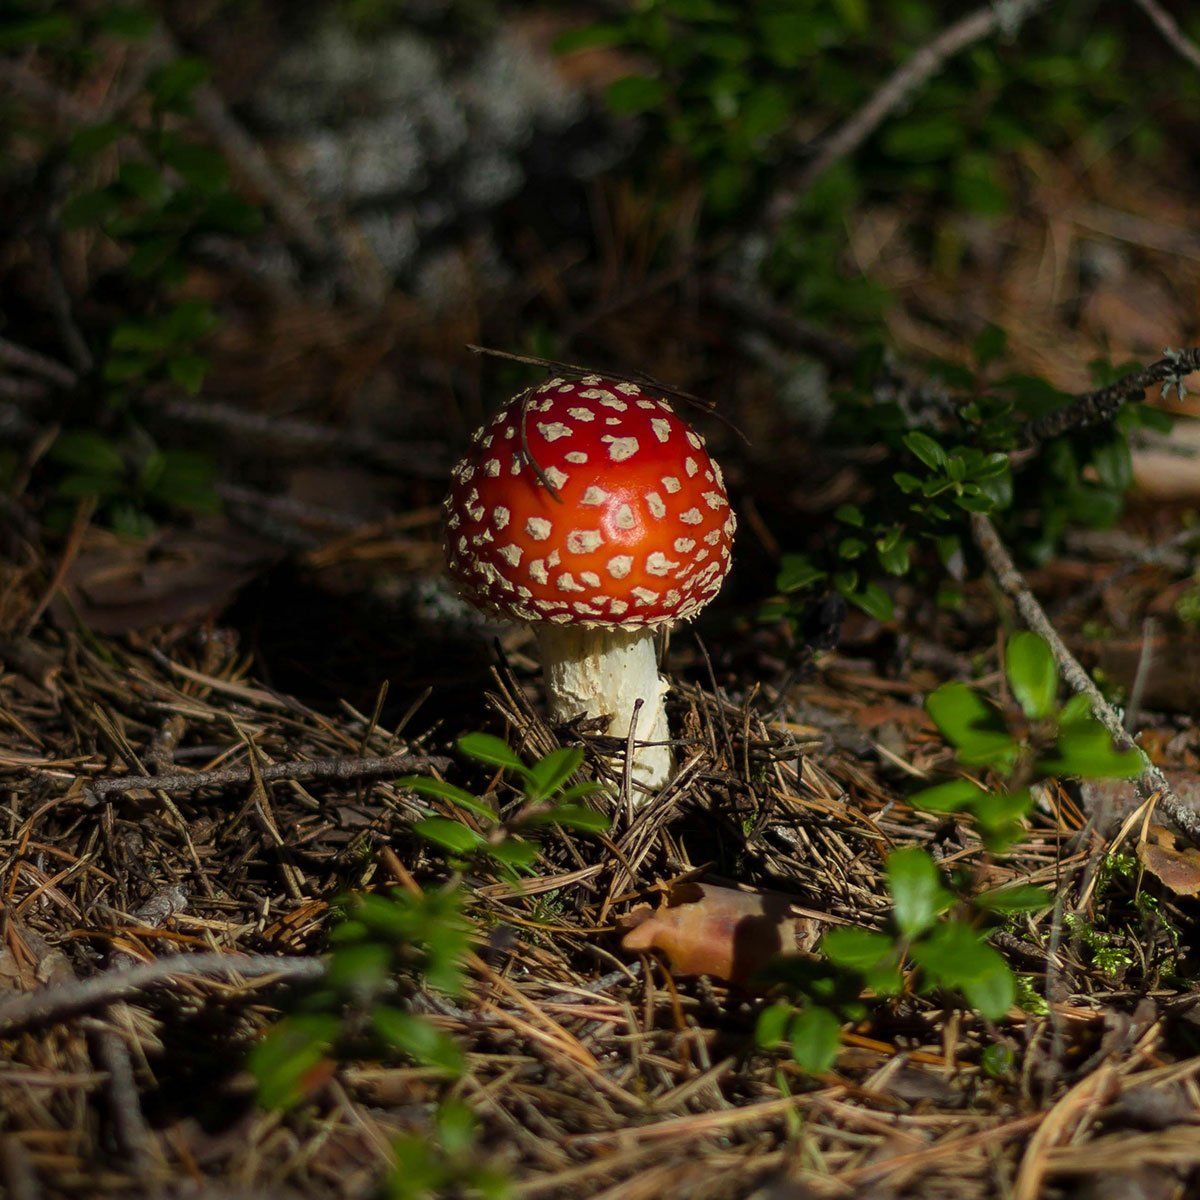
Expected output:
(599, 672)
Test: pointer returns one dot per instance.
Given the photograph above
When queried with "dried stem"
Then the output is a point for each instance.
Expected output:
(1169, 28)
(1151, 781)
(310, 769)
(59, 1003)
(1103, 404)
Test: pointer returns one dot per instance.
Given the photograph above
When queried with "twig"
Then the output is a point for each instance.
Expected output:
(37, 364)
(309, 769)
(58, 1003)
(1102, 405)
(898, 87)
(1169, 28)
(1151, 781)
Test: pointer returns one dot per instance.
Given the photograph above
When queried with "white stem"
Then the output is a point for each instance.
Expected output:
(599, 672)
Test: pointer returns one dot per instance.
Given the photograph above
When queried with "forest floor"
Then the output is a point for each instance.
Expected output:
(277, 669)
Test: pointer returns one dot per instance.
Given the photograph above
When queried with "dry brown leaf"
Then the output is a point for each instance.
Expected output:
(725, 934)
(1177, 866)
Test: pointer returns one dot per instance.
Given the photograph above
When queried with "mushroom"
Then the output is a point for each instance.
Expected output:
(592, 511)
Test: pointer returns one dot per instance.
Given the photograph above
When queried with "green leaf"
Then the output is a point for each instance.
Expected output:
(90, 208)
(952, 796)
(1114, 463)
(457, 1128)
(145, 181)
(416, 1037)
(576, 816)
(1022, 897)
(494, 751)
(1085, 748)
(873, 600)
(203, 167)
(189, 371)
(971, 725)
(636, 94)
(130, 22)
(188, 482)
(450, 835)
(849, 514)
(285, 1058)
(579, 791)
(87, 451)
(93, 139)
(796, 572)
(42, 30)
(1032, 674)
(771, 1026)
(549, 774)
(925, 448)
(590, 37)
(514, 853)
(815, 1035)
(916, 889)
(989, 345)
(172, 85)
(360, 970)
(857, 949)
(424, 786)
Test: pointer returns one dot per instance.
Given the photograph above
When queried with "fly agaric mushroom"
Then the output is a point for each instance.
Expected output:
(592, 511)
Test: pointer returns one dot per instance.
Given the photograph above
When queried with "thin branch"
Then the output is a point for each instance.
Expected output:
(1003, 17)
(37, 364)
(1151, 781)
(1169, 28)
(309, 769)
(1104, 404)
(60, 1002)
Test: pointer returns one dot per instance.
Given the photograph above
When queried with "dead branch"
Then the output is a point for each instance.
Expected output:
(59, 1003)
(1169, 28)
(37, 364)
(1103, 404)
(301, 772)
(899, 87)
(1151, 781)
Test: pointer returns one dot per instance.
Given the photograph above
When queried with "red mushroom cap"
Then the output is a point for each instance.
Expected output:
(636, 532)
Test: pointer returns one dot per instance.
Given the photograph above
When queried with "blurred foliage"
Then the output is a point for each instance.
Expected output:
(146, 186)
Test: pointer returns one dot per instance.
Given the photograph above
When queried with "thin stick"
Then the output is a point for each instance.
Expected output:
(58, 1003)
(898, 87)
(1102, 405)
(1169, 28)
(1151, 781)
(309, 769)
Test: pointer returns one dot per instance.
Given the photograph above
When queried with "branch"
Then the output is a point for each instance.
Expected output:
(1152, 781)
(1169, 28)
(1004, 16)
(313, 768)
(1103, 405)
(58, 1003)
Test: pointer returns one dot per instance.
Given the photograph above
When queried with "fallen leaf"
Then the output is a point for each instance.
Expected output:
(720, 932)
(1177, 866)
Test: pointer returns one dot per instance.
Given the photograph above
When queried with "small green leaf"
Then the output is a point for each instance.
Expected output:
(492, 750)
(1032, 674)
(815, 1035)
(284, 1060)
(514, 853)
(873, 600)
(590, 37)
(636, 94)
(973, 726)
(1085, 748)
(549, 774)
(450, 835)
(989, 345)
(424, 786)
(916, 889)
(416, 1037)
(796, 572)
(576, 816)
(771, 1026)
(995, 991)
(172, 85)
(857, 949)
(1023, 897)
(87, 451)
(189, 371)
(360, 970)
(925, 448)
(952, 796)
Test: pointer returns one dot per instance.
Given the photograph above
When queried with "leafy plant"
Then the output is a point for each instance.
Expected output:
(548, 799)
(926, 945)
(1044, 742)
(447, 1164)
